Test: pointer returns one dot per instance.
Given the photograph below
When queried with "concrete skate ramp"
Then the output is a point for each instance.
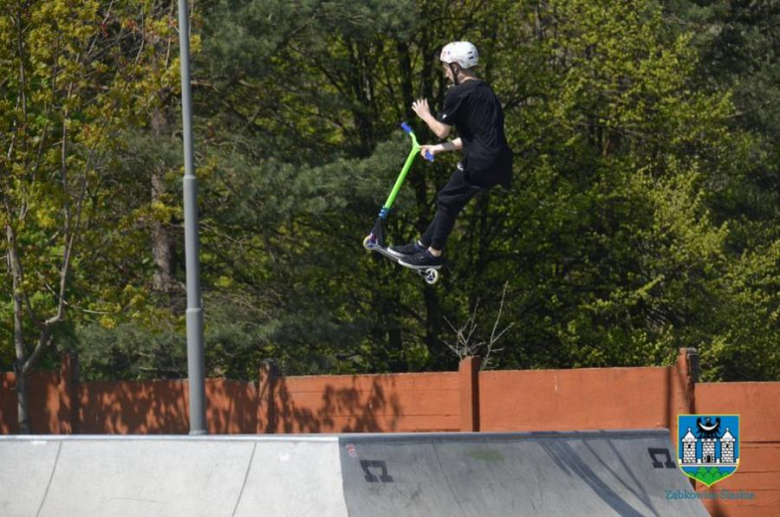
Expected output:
(382, 475)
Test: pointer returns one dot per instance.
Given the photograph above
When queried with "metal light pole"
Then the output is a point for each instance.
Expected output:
(195, 354)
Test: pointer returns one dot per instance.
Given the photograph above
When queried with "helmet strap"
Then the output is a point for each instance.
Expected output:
(455, 73)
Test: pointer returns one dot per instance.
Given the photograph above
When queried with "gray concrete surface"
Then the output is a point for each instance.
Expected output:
(393, 475)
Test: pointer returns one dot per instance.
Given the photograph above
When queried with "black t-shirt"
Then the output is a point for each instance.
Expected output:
(476, 113)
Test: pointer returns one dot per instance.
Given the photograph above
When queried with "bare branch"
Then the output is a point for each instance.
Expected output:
(465, 345)
(71, 232)
(44, 341)
(17, 272)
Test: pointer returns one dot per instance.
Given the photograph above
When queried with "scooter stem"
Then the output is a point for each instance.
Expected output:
(407, 165)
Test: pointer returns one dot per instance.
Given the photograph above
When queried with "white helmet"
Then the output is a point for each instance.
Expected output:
(461, 52)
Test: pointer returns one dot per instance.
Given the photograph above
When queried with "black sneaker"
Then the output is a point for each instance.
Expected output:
(422, 260)
(406, 250)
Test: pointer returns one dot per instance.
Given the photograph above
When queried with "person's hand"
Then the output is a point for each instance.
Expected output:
(425, 150)
(420, 106)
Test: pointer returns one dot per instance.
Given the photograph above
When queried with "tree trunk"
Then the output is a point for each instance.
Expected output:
(23, 402)
(19, 344)
(162, 246)
(433, 318)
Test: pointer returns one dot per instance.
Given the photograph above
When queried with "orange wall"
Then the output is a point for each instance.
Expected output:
(8, 412)
(44, 403)
(366, 403)
(150, 407)
(758, 405)
(161, 407)
(583, 399)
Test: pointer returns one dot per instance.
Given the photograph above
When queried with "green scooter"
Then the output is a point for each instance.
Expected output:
(375, 240)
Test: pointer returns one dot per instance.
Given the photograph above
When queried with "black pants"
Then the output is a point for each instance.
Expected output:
(449, 202)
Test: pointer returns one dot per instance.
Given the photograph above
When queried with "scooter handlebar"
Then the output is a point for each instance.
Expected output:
(408, 129)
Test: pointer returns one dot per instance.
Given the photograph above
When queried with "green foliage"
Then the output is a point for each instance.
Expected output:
(643, 215)
(130, 351)
(75, 75)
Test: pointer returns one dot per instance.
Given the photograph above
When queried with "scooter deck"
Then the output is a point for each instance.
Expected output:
(429, 273)
(382, 250)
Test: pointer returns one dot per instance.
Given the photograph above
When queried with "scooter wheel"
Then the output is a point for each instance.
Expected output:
(368, 241)
(431, 276)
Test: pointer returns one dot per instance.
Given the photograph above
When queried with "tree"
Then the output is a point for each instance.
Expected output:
(68, 85)
(737, 43)
(611, 237)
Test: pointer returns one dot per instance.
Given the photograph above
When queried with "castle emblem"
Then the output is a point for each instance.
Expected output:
(708, 446)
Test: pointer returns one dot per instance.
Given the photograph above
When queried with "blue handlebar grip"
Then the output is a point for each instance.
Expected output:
(429, 157)
(406, 127)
